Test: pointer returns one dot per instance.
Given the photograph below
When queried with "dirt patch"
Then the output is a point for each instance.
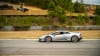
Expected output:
(88, 34)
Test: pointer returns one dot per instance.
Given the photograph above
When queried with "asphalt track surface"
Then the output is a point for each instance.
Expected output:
(35, 48)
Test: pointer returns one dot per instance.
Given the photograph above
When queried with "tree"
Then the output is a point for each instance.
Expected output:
(56, 12)
(97, 11)
(65, 4)
(68, 4)
(71, 10)
(78, 7)
(97, 20)
(97, 16)
(86, 18)
(80, 19)
(60, 13)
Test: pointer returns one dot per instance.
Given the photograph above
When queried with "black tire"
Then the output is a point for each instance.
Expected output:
(75, 39)
(48, 39)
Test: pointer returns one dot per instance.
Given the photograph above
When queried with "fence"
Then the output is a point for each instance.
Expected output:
(11, 28)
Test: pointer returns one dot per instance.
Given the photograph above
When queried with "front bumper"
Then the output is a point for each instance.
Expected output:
(41, 40)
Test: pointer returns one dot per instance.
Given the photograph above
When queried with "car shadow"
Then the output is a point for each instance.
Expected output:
(57, 41)
(63, 42)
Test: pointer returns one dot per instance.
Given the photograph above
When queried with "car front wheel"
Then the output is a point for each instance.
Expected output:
(48, 39)
(75, 39)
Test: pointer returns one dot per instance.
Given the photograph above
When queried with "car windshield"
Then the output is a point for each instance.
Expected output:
(52, 33)
(58, 33)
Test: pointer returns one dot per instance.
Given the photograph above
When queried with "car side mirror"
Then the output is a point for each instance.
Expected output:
(54, 34)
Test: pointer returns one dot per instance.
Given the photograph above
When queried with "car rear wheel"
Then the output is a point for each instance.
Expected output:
(75, 39)
(48, 39)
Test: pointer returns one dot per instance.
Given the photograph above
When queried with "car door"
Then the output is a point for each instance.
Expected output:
(67, 35)
(59, 36)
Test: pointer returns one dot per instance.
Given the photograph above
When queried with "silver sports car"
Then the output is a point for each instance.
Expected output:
(61, 36)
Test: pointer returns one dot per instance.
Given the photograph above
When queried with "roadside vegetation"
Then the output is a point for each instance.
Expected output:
(43, 21)
(97, 17)
(56, 14)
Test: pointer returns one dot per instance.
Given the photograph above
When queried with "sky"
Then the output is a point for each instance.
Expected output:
(94, 2)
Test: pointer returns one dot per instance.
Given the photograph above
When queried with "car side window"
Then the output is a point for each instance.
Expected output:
(67, 33)
(59, 33)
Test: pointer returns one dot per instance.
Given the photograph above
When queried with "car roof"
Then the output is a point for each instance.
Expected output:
(62, 31)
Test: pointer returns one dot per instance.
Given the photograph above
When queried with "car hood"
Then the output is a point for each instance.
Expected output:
(43, 36)
(75, 33)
